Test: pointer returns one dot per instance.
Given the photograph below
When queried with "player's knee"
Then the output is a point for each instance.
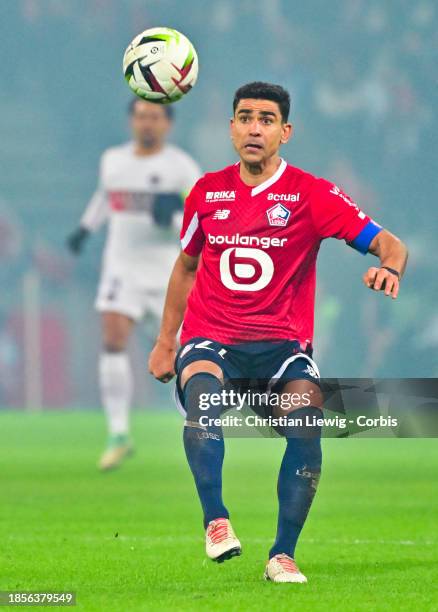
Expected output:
(116, 330)
(304, 425)
(114, 345)
(299, 394)
(201, 367)
(201, 393)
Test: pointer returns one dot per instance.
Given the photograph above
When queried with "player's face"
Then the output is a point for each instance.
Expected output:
(257, 130)
(149, 124)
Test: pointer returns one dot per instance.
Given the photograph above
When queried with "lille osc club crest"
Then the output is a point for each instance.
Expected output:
(278, 215)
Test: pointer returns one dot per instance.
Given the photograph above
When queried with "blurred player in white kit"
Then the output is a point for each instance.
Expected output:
(141, 191)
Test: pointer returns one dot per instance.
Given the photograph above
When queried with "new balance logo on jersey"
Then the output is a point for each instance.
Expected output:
(221, 214)
(220, 196)
(284, 197)
(278, 215)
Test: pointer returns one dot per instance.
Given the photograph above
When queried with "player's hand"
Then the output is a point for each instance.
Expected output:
(164, 206)
(380, 279)
(75, 241)
(161, 362)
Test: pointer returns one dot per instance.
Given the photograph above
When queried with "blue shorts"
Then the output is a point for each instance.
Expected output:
(258, 365)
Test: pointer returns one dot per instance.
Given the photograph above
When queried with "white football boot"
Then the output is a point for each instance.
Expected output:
(118, 449)
(220, 541)
(283, 568)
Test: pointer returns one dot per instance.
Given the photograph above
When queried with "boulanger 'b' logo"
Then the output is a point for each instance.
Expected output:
(278, 215)
(245, 269)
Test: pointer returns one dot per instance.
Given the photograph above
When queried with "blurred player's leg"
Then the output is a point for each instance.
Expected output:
(115, 379)
(204, 446)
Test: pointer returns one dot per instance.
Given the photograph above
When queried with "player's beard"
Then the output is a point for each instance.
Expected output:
(254, 167)
(147, 141)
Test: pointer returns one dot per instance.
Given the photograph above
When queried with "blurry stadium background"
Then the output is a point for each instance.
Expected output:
(363, 77)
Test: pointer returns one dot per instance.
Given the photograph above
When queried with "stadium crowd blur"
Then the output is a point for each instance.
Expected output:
(363, 77)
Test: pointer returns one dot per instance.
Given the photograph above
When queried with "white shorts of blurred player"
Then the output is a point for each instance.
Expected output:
(124, 293)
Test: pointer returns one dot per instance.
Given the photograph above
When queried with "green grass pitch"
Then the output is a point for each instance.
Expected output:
(133, 539)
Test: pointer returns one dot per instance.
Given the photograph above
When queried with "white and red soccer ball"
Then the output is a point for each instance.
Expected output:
(160, 65)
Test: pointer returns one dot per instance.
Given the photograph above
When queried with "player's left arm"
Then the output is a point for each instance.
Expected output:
(336, 215)
(393, 255)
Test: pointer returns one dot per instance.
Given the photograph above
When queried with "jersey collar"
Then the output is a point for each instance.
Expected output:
(270, 181)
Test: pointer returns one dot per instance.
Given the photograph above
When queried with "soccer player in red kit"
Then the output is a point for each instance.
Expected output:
(243, 288)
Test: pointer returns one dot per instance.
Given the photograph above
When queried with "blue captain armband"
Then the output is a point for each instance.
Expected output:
(364, 239)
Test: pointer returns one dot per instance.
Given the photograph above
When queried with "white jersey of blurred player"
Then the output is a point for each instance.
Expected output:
(142, 241)
(141, 190)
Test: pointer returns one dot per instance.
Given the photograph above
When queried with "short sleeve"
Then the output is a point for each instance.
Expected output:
(336, 215)
(192, 236)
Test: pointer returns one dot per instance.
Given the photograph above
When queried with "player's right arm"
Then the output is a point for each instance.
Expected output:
(162, 357)
(94, 216)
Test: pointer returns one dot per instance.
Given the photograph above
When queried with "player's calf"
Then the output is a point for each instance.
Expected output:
(116, 330)
(116, 387)
(297, 481)
(204, 445)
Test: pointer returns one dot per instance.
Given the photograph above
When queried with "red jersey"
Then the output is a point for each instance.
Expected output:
(258, 245)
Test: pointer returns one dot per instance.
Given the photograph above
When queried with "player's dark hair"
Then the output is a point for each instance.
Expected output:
(265, 91)
(167, 107)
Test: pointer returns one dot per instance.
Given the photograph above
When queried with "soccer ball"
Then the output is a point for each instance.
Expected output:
(160, 65)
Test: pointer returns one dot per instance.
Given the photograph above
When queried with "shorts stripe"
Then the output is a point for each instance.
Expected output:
(288, 361)
(179, 406)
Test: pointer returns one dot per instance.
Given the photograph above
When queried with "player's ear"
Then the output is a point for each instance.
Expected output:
(286, 132)
(168, 125)
(231, 127)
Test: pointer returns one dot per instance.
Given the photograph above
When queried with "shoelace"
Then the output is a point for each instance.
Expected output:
(218, 531)
(287, 563)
